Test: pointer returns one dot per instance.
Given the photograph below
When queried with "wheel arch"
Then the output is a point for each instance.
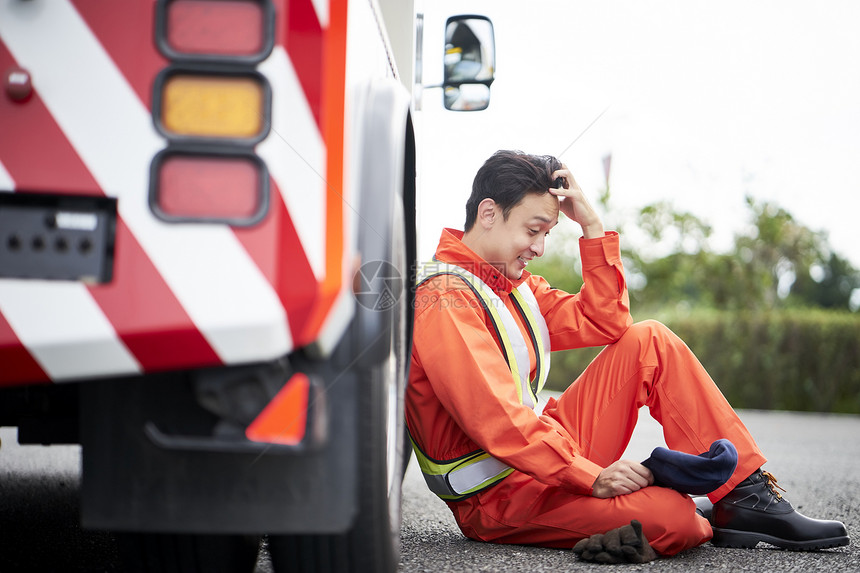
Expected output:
(387, 165)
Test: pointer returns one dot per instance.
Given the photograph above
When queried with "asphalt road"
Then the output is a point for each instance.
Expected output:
(815, 457)
(39, 507)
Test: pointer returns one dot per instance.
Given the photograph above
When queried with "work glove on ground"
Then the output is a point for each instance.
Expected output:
(624, 544)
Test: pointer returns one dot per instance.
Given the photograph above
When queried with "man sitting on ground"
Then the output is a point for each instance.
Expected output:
(484, 328)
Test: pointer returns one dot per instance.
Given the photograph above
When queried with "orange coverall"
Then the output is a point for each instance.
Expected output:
(461, 397)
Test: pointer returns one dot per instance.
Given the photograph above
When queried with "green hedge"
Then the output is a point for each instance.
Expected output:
(806, 360)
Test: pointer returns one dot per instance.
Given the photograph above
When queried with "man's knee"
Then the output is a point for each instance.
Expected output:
(649, 332)
(670, 522)
(647, 328)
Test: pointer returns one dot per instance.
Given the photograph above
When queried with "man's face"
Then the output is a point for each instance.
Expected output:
(520, 238)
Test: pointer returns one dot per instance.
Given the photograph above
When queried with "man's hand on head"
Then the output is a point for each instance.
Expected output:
(575, 206)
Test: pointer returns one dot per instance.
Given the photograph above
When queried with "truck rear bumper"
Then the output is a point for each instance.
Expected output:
(144, 470)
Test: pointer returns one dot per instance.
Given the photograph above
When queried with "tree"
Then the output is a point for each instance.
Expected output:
(776, 262)
(828, 285)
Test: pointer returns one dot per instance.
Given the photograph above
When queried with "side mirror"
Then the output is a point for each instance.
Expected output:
(470, 63)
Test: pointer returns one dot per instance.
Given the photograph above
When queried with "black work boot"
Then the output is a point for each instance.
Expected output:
(754, 511)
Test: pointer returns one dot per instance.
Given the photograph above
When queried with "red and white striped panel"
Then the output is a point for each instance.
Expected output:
(183, 295)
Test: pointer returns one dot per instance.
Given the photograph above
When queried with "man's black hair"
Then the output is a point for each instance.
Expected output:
(506, 177)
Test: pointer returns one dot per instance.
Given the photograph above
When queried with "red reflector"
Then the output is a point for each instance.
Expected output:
(284, 419)
(208, 187)
(218, 27)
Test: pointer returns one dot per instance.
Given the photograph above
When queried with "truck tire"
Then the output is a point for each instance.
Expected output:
(186, 553)
(372, 544)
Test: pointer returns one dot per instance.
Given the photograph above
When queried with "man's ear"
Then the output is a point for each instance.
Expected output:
(488, 211)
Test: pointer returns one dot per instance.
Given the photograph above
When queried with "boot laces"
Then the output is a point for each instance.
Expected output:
(772, 485)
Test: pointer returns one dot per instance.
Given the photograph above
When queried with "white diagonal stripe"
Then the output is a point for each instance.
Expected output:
(6, 182)
(295, 154)
(61, 325)
(223, 291)
(321, 8)
(64, 328)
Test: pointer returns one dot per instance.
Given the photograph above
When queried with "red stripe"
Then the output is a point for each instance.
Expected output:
(17, 365)
(286, 267)
(304, 44)
(27, 144)
(125, 30)
(147, 316)
(138, 302)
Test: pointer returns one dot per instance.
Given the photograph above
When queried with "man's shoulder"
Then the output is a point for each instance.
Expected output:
(444, 291)
(536, 283)
(442, 284)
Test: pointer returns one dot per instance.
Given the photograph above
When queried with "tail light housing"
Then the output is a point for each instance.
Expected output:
(226, 105)
(213, 107)
(209, 185)
(238, 31)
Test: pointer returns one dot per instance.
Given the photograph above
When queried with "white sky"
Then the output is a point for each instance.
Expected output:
(707, 102)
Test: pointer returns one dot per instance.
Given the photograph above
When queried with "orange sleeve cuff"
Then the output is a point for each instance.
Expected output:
(600, 251)
(583, 473)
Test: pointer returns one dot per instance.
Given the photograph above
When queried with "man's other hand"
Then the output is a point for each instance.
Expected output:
(620, 478)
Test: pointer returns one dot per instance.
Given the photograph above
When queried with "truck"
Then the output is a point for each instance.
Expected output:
(207, 246)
